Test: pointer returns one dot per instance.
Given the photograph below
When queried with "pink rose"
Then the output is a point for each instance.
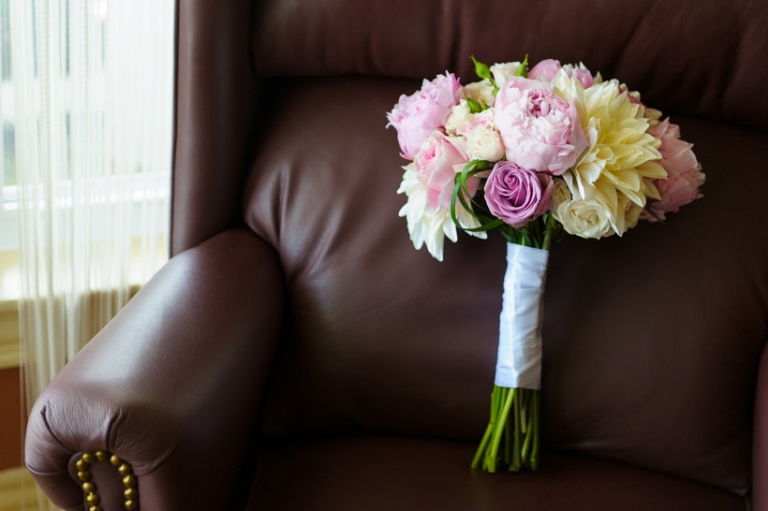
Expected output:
(437, 163)
(416, 116)
(540, 131)
(517, 195)
(547, 69)
(684, 176)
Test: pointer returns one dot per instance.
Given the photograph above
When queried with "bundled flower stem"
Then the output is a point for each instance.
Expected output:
(519, 434)
(511, 439)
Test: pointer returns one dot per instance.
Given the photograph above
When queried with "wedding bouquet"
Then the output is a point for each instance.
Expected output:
(536, 154)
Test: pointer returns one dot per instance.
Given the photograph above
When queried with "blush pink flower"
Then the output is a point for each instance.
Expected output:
(540, 130)
(416, 116)
(483, 120)
(517, 195)
(437, 163)
(547, 69)
(684, 176)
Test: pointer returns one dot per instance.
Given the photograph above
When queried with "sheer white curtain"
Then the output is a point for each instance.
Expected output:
(93, 113)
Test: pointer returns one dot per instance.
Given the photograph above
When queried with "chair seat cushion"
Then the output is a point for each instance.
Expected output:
(378, 473)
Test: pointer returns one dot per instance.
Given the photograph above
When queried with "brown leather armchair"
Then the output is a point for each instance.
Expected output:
(297, 353)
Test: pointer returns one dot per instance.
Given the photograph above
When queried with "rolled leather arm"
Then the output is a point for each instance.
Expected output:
(171, 385)
(760, 443)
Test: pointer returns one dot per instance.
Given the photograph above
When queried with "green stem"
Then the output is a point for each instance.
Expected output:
(549, 232)
(493, 451)
(523, 411)
(530, 432)
(495, 400)
(483, 443)
(479, 455)
(507, 443)
(515, 466)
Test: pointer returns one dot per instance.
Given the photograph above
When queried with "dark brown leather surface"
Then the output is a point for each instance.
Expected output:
(698, 57)
(651, 341)
(215, 92)
(172, 385)
(760, 446)
(386, 474)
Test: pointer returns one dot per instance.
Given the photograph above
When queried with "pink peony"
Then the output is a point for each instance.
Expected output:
(547, 69)
(684, 176)
(517, 195)
(540, 131)
(416, 116)
(437, 162)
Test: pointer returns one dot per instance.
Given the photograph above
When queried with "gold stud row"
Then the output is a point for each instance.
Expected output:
(89, 488)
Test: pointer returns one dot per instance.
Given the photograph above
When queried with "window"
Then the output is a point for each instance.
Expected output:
(81, 111)
(9, 236)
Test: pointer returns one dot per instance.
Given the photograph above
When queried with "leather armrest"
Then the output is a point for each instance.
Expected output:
(760, 443)
(172, 384)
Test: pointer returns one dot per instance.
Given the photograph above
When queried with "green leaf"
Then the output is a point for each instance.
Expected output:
(474, 106)
(493, 224)
(481, 69)
(523, 69)
(462, 195)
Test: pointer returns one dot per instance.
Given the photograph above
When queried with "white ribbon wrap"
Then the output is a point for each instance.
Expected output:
(518, 364)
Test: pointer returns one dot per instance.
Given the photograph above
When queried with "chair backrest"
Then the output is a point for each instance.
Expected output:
(215, 93)
(704, 58)
(651, 341)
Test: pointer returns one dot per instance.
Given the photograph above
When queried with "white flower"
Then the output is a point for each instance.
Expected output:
(457, 118)
(482, 92)
(482, 141)
(503, 71)
(585, 218)
(560, 194)
(485, 144)
(625, 218)
(427, 226)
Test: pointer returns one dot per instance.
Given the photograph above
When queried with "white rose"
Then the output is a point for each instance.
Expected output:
(482, 92)
(503, 71)
(457, 118)
(560, 194)
(484, 119)
(485, 144)
(585, 218)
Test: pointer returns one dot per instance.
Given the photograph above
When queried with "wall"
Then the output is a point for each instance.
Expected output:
(10, 419)
(10, 399)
